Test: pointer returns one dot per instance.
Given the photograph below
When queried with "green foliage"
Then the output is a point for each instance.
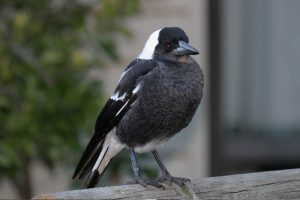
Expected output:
(48, 101)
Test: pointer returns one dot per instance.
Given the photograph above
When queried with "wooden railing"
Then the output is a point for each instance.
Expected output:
(273, 185)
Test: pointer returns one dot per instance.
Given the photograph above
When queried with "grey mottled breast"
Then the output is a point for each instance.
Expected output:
(167, 100)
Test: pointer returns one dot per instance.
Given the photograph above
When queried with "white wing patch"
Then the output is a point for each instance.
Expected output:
(122, 108)
(123, 96)
(150, 45)
(136, 88)
(116, 96)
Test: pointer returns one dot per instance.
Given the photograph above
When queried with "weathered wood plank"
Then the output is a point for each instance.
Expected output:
(274, 185)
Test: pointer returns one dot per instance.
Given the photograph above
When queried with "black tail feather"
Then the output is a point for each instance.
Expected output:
(89, 154)
(105, 122)
(92, 180)
(88, 166)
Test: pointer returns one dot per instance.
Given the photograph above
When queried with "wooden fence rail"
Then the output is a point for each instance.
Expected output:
(273, 185)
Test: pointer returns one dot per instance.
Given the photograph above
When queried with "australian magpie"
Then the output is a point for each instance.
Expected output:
(156, 97)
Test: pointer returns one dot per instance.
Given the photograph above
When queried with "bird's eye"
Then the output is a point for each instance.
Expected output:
(168, 46)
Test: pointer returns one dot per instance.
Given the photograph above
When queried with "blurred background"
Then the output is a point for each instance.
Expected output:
(61, 59)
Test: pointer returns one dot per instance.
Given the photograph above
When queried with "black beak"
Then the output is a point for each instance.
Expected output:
(185, 49)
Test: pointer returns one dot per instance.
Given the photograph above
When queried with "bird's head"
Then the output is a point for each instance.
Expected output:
(169, 43)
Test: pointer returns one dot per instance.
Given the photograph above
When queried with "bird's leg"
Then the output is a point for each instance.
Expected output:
(166, 176)
(137, 175)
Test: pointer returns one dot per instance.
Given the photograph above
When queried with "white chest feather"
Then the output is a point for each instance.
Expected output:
(150, 146)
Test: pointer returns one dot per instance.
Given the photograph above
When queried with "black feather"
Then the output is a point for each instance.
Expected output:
(104, 124)
(92, 180)
(110, 115)
(90, 164)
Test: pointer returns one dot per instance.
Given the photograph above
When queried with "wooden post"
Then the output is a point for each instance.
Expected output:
(273, 185)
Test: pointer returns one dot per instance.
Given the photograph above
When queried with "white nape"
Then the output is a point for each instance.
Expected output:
(150, 45)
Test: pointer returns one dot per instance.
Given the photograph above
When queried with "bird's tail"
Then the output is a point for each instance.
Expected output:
(111, 147)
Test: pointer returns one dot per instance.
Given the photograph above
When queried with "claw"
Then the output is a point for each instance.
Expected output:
(178, 180)
(166, 175)
(154, 183)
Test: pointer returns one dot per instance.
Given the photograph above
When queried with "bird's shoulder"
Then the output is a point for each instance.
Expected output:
(126, 91)
(134, 73)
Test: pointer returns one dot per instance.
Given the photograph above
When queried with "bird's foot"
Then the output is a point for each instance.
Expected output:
(145, 182)
(177, 180)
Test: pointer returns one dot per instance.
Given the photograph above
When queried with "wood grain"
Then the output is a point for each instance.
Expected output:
(273, 185)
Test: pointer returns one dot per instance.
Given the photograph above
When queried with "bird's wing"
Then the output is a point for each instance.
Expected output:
(115, 108)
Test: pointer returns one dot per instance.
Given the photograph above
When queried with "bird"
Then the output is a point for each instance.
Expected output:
(156, 97)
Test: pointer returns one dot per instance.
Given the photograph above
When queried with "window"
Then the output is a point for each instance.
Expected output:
(255, 85)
